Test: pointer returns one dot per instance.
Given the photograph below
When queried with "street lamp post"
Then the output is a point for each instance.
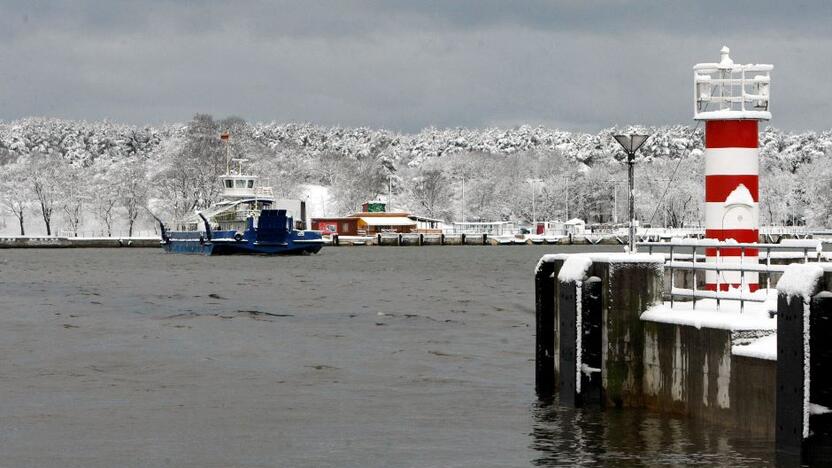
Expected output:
(389, 193)
(534, 209)
(463, 198)
(631, 200)
(631, 143)
(534, 203)
(614, 199)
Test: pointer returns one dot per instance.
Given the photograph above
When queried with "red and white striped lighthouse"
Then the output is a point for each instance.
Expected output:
(732, 99)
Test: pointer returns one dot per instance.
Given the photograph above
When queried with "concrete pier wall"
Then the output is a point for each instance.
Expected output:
(678, 369)
(628, 288)
(73, 242)
(692, 372)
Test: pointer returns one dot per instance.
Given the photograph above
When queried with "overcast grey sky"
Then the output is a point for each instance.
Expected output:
(404, 64)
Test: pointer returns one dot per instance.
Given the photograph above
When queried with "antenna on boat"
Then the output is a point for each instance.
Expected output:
(226, 138)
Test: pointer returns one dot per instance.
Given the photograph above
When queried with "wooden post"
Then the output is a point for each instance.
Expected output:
(817, 448)
(800, 435)
(591, 341)
(790, 376)
(335, 240)
(567, 341)
(421, 239)
(544, 291)
(442, 238)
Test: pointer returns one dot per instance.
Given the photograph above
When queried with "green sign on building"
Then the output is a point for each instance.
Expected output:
(375, 207)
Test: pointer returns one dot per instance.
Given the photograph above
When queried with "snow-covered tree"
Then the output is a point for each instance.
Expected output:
(776, 195)
(358, 181)
(278, 170)
(45, 178)
(579, 174)
(430, 191)
(104, 196)
(818, 189)
(75, 193)
(671, 193)
(131, 189)
(15, 191)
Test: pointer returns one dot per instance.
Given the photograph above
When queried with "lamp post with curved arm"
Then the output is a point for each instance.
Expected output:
(631, 143)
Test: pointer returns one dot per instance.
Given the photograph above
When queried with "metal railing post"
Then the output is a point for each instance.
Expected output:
(743, 266)
(671, 276)
(718, 284)
(693, 260)
(742, 278)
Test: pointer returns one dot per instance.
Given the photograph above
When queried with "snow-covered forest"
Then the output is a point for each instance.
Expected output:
(77, 176)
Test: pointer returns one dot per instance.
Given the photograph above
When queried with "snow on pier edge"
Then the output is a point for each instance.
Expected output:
(604, 257)
(755, 315)
(574, 268)
(800, 279)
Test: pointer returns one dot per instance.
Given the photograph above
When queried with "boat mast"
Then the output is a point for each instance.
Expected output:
(225, 137)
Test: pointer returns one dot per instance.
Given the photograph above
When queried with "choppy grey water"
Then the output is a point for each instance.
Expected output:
(354, 357)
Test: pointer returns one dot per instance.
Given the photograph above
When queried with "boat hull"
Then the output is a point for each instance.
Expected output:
(212, 248)
(225, 243)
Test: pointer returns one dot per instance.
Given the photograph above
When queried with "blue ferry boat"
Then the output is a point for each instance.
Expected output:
(246, 221)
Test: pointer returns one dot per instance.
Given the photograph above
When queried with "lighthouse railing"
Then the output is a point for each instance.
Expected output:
(693, 259)
(735, 88)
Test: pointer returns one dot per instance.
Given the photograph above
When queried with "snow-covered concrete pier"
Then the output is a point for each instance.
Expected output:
(761, 366)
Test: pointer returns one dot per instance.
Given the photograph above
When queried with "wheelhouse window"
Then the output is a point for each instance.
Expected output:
(229, 184)
(250, 184)
(240, 184)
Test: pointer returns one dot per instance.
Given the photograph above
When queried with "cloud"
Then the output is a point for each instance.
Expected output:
(400, 64)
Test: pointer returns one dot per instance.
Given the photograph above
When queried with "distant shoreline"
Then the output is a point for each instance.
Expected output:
(36, 242)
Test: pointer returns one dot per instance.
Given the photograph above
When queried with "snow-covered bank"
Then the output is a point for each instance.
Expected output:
(336, 169)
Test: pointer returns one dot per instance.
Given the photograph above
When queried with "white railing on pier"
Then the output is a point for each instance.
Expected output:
(662, 232)
(690, 261)
(666, 232)
(787, 230)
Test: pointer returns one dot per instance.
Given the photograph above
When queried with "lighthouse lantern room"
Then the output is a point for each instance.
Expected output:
(732, 99)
